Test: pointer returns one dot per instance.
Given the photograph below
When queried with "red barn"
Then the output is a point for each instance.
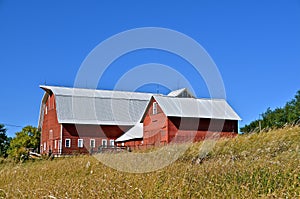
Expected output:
(74, 120)
(182, 119)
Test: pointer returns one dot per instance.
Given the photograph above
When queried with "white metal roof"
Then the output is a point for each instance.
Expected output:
(198, 108)
(133, 133)
(88, 106)
(83, 92)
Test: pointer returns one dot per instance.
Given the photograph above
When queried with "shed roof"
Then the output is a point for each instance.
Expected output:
(89, 106)
(197, 108)
(134, 133)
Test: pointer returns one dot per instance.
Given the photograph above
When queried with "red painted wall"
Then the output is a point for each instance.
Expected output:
(50, 127)
(88, 132)
(193, 129)
(155, 127)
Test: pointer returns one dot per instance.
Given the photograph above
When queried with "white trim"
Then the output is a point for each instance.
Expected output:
(68, 139)
(55, 144)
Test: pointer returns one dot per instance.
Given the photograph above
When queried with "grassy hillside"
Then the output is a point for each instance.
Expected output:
(249, 166)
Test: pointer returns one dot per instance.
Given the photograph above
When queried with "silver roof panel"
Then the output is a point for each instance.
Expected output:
(198, 108)
(87, 106)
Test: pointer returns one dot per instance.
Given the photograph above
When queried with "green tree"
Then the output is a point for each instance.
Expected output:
(4, 141)
(28, 138)
(279, 117)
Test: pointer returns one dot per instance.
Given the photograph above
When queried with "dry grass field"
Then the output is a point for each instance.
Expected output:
(263, 165)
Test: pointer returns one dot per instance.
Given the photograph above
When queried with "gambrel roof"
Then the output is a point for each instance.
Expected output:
(88, 106)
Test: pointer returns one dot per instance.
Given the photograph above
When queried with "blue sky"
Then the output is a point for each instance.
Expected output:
(255, 44)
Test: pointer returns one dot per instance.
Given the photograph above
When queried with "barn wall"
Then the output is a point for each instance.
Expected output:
(192, 129)
(50, 134)
(88, 132)
(155, 127)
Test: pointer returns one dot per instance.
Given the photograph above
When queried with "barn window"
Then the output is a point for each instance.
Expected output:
(68, 143)
(92, 143)
(154, 108)
(80, 143)
(104, 143)
(111, 142)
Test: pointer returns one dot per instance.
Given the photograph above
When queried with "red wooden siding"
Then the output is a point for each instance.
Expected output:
(193, 129)
(155, 126)
(50, 124)
(88, 132)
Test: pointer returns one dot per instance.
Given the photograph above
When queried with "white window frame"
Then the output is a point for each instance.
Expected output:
(104, 141)
(94, 143)
(111, 142)
(69, 145)
(154, 108)
(45, 146)
(80, 143)
(55, 144)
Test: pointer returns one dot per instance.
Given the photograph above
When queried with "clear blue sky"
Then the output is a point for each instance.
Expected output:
(254, 43)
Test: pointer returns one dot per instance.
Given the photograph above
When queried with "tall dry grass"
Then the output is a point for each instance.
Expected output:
(248, 166)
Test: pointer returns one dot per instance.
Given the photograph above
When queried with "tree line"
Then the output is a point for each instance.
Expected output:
(18, 147)
(277, 118)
